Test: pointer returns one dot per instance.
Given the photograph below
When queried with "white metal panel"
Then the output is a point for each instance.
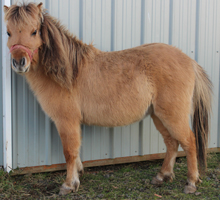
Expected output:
(191, 25)
(208, 54)
(1, 103)
(184, 26)
(6, 94)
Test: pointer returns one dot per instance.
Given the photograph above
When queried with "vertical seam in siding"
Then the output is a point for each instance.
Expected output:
(142, 21)
(112, 25)
(197, 30)
(81, 19)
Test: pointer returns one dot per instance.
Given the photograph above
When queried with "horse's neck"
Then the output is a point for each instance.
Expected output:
(39, 82)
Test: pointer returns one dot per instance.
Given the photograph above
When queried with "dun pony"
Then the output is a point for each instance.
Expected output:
(76, 83)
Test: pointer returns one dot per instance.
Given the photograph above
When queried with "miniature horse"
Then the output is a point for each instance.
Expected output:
(76, 83)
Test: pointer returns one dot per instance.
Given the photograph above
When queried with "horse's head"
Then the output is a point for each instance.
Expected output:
(24, 34)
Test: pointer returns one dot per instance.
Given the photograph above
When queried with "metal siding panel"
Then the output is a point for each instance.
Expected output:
(35, 1)
(117, 140)
(156, 21)
(1, 105)
(183, 26)
(96, 142)
(117, 29)
(86, 143)
(74, 15)
(64, 13)
(145, 136)
(135, 23)
(14, 121)
(125, 141)
(106, 142)
(117, 25)
(134, 147)
(30, 130)
(208, 54)
(21, 127)
(87, 21)
(154, 139)
(106, 26)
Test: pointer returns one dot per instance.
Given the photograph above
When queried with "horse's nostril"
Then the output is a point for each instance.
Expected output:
(22, 62)
(14, 62)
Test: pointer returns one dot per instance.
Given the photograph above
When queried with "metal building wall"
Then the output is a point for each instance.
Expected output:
(191, 25)
(1, 110)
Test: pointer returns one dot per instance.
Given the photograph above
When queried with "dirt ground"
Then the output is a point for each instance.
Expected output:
(127, 181)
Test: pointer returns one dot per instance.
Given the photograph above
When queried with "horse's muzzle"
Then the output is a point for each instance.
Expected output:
(20, 65)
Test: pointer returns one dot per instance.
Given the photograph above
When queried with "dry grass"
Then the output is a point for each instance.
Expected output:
(128, 181)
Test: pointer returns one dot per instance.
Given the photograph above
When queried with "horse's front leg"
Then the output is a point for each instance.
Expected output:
(71, 141)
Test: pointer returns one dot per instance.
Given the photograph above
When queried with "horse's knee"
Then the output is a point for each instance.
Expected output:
(69, 155)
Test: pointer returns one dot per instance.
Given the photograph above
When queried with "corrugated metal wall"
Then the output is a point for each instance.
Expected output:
(191, 25)
(1, 108)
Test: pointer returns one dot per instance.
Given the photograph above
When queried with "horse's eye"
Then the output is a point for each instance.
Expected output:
(8, 34)
(34, 33)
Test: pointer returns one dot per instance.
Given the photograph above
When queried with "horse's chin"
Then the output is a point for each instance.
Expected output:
(21, 71)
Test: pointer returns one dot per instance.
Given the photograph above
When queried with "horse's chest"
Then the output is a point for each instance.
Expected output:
(51, 98)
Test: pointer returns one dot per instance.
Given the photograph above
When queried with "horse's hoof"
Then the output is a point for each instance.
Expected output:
(76, 184)
(168, 179)
(189, 189)
(156, 181)
(64, 190)
(199, 181)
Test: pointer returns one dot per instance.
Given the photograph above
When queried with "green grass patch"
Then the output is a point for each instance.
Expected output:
(127, 181)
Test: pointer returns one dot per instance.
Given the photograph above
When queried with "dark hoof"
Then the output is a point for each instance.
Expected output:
(156, 181)
(168, 179)
(189, 189)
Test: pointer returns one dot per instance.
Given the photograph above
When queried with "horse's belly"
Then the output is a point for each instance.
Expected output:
(111, 116)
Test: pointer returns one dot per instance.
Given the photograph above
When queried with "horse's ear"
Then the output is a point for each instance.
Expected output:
(40, 6)
(41, 9)
(6, 8)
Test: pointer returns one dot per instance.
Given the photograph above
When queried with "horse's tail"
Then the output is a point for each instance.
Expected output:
(202, 99)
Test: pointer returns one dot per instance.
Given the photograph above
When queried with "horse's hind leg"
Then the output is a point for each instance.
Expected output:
(79, 165)
(187, 140)
(166, 172)
(178, 126)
